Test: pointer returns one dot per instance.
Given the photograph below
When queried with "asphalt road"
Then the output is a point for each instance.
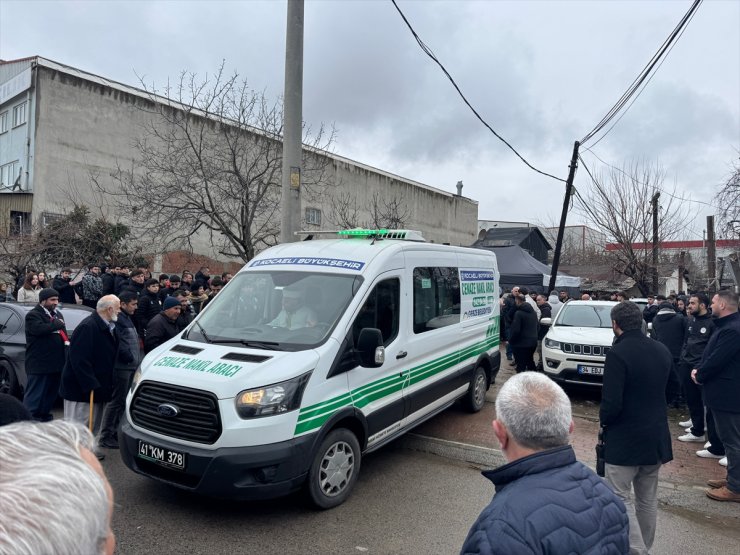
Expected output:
(404, 502)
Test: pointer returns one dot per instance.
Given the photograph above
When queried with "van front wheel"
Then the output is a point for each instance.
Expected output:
(476, 396)
(334, 470)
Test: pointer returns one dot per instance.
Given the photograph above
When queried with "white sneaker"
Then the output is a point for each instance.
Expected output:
(691, 437)
(704, 454)
(707, 445)
(723, 461)
(686, 423)
(688, 430)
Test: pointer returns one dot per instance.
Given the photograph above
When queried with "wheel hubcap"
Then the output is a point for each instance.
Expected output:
(480, 390)
(337, 467)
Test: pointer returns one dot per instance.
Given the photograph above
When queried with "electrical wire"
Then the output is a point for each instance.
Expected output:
(683, 199)
(428, 52)
(641, 77)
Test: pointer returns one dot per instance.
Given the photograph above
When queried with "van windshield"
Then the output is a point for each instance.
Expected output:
(285, 311)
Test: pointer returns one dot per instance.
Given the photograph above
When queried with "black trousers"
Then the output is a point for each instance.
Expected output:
(692, 394)
(717, 447)
(114, 409)
(728, 427)
(41, 393)
(524, 357)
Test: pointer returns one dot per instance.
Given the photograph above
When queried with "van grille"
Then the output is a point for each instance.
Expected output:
(578, 349)
(198, 420)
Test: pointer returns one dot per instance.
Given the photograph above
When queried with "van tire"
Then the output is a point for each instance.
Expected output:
(476, 395)
(340, 455)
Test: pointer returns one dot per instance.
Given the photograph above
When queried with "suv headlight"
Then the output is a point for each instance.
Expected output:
(552, 344)
(272, 399)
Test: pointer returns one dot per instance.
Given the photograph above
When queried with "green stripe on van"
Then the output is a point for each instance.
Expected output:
(314, 416)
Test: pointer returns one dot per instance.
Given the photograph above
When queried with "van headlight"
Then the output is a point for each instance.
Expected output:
(136, 378)
(552, 344)
(272, 399)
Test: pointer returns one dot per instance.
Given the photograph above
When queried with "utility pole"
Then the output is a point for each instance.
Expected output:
(654, 204)
(711, 255)
(681, 268)
(290, 204)
(563, 217)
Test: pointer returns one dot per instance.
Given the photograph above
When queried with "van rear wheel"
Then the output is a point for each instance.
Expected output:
(334, 470)
(476, 396)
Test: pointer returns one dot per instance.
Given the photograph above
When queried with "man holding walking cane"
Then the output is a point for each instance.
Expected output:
(87, 378)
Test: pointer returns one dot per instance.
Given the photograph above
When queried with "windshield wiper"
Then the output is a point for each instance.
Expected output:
(267, 345)
(202, 332)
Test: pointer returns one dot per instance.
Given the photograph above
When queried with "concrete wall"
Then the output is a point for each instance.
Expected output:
(87, 126)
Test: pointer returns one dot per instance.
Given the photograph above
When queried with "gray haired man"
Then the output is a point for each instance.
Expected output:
(546, 501)
(54, 495)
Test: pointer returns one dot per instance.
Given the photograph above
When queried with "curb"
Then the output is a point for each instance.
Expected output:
(464, 452)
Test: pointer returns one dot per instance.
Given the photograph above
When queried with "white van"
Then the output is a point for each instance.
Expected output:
(314, 354)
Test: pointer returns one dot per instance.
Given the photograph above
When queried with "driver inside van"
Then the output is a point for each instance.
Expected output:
(294, 314)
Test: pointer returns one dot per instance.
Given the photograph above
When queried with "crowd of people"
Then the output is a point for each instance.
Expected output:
(133, 314)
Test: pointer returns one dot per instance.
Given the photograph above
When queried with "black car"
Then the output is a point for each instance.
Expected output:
(13, 341)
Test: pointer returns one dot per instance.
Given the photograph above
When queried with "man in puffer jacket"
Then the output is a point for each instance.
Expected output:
(554, 303)
(546, 501)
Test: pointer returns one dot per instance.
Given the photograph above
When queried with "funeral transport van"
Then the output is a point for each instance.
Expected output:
(315, 353)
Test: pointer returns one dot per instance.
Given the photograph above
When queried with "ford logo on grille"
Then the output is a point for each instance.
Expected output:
(165, 409)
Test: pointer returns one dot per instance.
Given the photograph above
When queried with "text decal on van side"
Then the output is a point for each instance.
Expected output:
(330, 262)
(199, 365)
(478, 293)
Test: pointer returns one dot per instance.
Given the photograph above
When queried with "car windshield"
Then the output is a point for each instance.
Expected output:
(585, 316)
(276, 310)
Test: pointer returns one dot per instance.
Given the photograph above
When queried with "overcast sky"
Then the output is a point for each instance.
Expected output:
(541, 73)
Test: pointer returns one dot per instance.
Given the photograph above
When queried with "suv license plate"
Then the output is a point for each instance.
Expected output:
(160, 455)
(593, 370)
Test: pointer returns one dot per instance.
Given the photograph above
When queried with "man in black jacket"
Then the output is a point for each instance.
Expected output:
(719, 373)
(669, 327)
(90, 363)
(523, 335)
(127, 360)
(46, 340)
(634, 415)
(62, 284)
(149, 305)
(163, 326)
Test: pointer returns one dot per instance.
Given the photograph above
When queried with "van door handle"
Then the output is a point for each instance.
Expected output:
(402, 354)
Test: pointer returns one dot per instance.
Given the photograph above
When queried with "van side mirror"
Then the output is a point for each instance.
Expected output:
(545, 321)
(370, 348)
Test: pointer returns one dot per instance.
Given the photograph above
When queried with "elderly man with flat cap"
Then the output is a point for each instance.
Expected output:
(46, 345)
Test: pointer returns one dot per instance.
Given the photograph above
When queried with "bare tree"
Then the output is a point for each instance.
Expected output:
(618, 204)
(729, 201)
(392, 213)
(344, 211)
(209, 162)
(382, 213)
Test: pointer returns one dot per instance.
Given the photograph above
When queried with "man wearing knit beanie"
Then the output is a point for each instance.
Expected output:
(46, 345)
(163, 326)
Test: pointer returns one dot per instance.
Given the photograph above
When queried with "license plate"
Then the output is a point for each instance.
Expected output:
(593, 370)
(160, 455)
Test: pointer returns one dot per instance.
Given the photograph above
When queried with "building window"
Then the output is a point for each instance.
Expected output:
(436, 298)
(19, 114)
(8, 174)
(313, 216)
(4, 122)
(48, 218)
(20, 223)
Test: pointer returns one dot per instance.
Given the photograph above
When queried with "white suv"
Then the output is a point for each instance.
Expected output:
(574, 349)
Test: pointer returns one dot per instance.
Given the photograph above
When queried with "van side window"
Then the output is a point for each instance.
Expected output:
(380, 311)
(436, 298)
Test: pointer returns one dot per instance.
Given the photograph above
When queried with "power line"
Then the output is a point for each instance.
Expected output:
(428, 52)
(653, 185)
(642, 76)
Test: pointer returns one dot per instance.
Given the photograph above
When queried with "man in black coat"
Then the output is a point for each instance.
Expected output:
(719, 374)
(163, 326)
(90, 364)
(62, 284)
(635, 420)
(127, 360)
(669, 327)
(523, 335)
(46, 341)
